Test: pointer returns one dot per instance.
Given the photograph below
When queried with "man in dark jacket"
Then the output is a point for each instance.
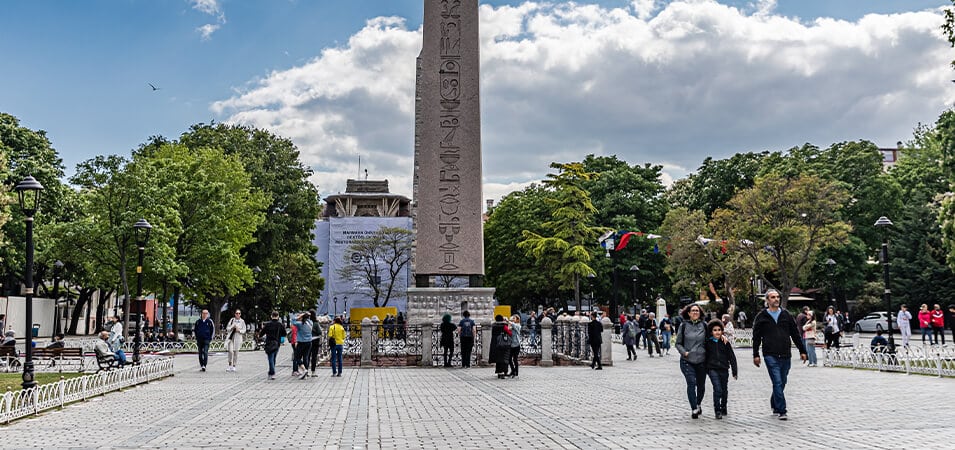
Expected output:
(203, 330)
(594, 331)
(273, 332)
(773, 328)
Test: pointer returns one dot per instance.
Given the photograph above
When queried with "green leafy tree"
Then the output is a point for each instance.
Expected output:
(788, 218)
(570, 229)
(716, 182)
(519, 282)
(385, 256)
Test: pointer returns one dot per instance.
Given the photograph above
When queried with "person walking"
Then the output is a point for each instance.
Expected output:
(447, 339)
(233, 342)
(316, 344)
(303, 329)
(630, 333)
(809, 337)
(515, 344)
(466, 336)
(728, 330)
(500, 346)
(690, 341)
(773, 328)
(336, 342)
(653, 339)
(925, 323)
(594, 331)
(116, 335)
(831, 330)
(741, 318)
(272, 332)
(720, 358)
(904, 320)
(938, 324)
(666, 333)
(203, 330)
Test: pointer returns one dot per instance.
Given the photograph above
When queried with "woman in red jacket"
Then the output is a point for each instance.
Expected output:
(925, 323)
(938, 323)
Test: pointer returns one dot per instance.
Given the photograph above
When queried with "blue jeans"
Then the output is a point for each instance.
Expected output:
(778, 368)
(271, 356)
(720, 379)
(337, 359)
(203, 353)
(810, 345)
(695, 375)
(927, 332)
(120, 357)
(665, 344)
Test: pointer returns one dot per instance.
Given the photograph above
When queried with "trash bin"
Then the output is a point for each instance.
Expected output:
(36, 330)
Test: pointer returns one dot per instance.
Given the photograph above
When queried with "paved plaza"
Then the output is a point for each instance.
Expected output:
(631, 405)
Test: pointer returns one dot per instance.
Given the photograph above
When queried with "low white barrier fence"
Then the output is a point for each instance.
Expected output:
(22, 403)
(929, 360)
(88, 344)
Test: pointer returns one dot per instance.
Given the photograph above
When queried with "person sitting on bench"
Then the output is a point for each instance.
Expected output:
(103, 352)
(57, 341)
(8, 339)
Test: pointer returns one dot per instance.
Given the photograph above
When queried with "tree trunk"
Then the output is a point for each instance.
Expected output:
(175, 309)
(84, 298)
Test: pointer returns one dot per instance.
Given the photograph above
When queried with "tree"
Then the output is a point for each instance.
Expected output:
(385, 252)
(788, 218)
(716, 182)
(519, 282)
(570, 228)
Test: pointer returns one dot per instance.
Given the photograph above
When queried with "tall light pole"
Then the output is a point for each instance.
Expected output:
(142, 229)
(592, 277)
(611, 253)
(634, 270)
(830, 269)
(28, 194)
(335, 301)
(57, 268)
(883, 223)
(255, 278)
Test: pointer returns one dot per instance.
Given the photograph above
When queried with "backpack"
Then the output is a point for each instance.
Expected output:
(632, 328)
(503, 340)
(467, 328)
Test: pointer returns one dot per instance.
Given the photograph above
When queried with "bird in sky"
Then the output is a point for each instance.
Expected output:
(154, 87)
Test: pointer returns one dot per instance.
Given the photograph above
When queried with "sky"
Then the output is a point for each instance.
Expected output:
(662, 82)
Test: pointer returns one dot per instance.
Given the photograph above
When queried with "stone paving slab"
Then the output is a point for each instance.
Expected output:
(637, 404)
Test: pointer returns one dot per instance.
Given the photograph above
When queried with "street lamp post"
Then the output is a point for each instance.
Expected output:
(275, 296)
(612, 254)
(57, 268)
(592, 278)
(142, 228)
(255, 278)
(335, 313)
(345, 308)
(633, 272)
(830, 268)
(28, 194)
(883, 223)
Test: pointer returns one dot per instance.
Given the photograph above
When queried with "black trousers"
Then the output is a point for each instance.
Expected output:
(595, 350)
(467, 343)
(515, 355)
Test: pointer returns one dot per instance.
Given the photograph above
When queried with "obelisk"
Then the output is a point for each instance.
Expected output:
(447, 201)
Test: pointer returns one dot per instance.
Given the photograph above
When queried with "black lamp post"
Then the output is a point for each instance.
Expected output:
(633, 273)
(611, 253)
(592, 277)
(255, 271)
(57, 268)
(28, 195)
(882, 223)
(345, 308)
(335, 301)
(142, 229)
(830, 269)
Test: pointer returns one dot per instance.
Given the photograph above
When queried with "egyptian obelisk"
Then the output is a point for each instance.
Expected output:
(447, 203)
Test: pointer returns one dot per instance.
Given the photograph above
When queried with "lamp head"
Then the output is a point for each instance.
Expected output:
(142, 229)
(28, 195)
(883, 222)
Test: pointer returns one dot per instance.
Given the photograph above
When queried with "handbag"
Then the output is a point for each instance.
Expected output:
(827, 329)
(331, 342)
(271, 346)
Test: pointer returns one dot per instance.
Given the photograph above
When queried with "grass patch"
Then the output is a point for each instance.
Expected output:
(12, 381)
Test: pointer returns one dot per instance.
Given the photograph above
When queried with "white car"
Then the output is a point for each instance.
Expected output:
(874, 321)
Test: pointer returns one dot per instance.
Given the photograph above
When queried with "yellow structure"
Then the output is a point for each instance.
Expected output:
(504, 310)
(357, 314)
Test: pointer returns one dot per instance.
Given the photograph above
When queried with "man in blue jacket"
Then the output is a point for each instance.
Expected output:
(203, 331)
(773, 328)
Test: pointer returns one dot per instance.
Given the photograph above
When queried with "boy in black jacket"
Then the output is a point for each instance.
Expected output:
(719, 359)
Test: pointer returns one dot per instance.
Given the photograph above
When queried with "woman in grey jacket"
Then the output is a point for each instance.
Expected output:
(689, 342)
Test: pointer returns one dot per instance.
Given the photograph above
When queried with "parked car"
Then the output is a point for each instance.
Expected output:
(874, 321)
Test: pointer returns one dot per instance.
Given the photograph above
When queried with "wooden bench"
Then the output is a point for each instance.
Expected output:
(9, 359)
(59, 358)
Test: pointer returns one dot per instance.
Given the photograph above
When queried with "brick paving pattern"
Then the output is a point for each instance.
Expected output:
(631, 405)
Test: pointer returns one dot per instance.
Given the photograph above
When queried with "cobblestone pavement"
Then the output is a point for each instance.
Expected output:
(637, 404)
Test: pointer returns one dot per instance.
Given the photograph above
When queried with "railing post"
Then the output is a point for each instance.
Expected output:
(367, 329)
(547, 351)
(61, 387)
(426, 338)
(606, 344)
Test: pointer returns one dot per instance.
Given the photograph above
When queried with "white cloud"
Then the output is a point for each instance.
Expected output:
(667, 84)
(210, 7)
(205, 31)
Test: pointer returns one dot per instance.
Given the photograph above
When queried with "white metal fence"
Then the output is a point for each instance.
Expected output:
(929, 360)
(88, 344)
(22, 403)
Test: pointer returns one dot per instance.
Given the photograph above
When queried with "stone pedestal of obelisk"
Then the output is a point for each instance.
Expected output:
(447, 180)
